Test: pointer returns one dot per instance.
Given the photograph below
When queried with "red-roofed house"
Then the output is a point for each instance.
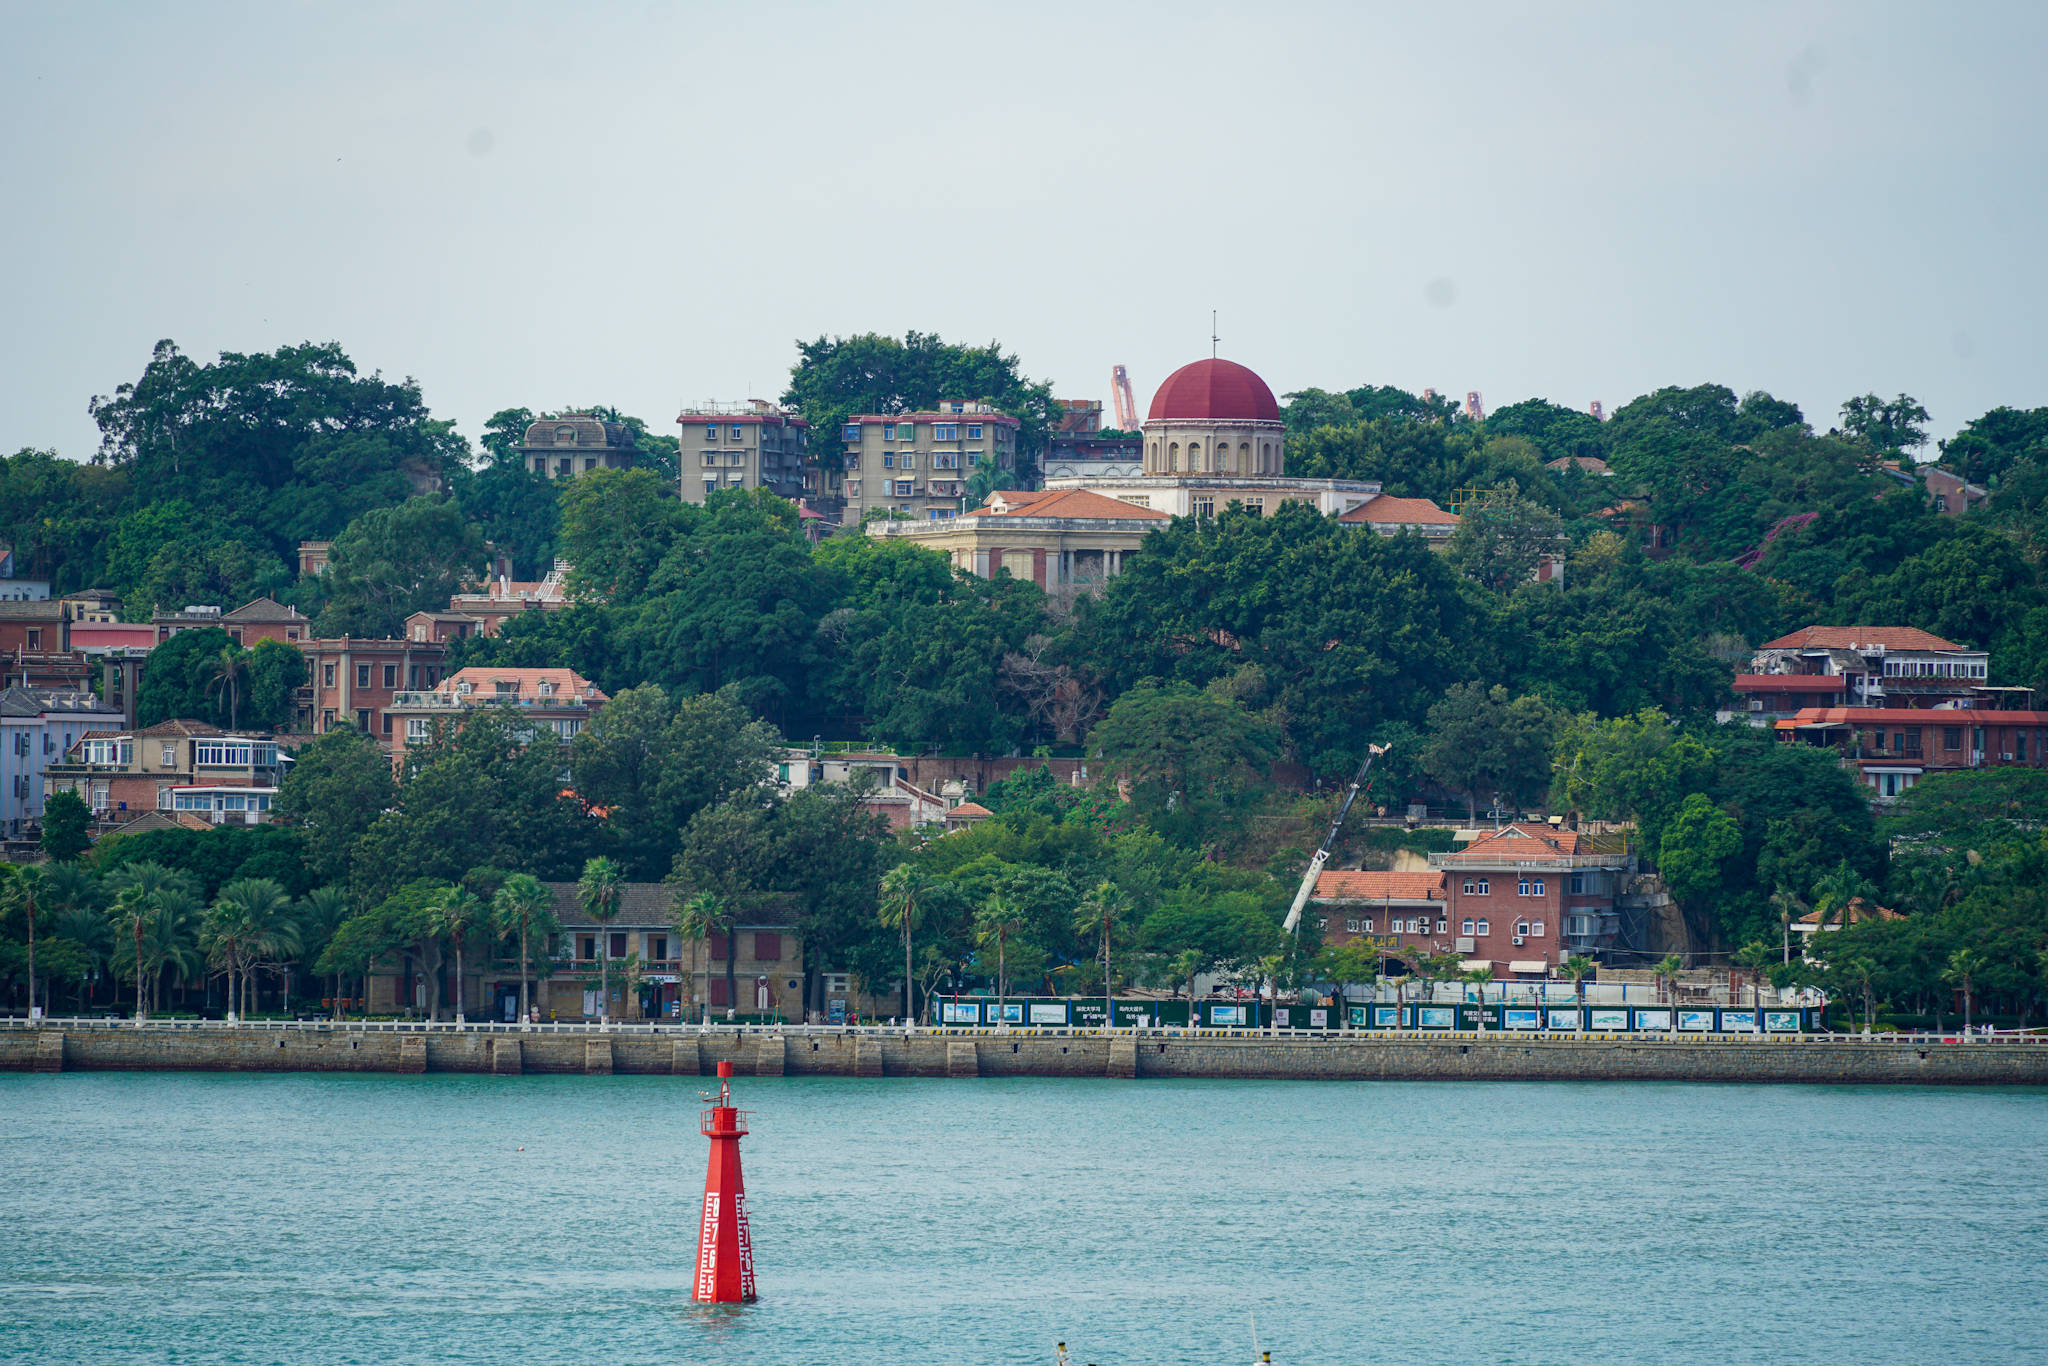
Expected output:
(1405, 908)
(1866, 666)
(558, 700)
(1891, 747)
(1524, 897)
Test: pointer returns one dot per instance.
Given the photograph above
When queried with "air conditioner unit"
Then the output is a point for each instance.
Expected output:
(1465, 945)
(1517, 941)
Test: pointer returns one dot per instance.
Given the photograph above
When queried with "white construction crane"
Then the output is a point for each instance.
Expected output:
(1126, 406)
(1315, 865)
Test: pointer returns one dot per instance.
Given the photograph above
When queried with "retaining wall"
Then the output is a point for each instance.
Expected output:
(338, 1048)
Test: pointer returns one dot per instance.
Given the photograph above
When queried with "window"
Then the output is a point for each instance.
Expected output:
(1205, 507)
(711, 457)
(946, 431)
(767, 947)
(1351, 926)
(586, 946)
(326, 675)
(390, 675)
(738, 432)
(1578, 884)
(1536, 928)
(946, 460)
(888, 431)
(1952, 737)
(942, 514)
(1470, 886)
(906, 461)
(618, 949)
(1465, 927)
(1368, 924)
(850, 432)
(906, 431)
(1255, 506)
(1322, 922)
(1484, 886)
(362, 675)
(889, 460)
(736, 458)
(363, 720)
(902, 488)
(326, 723)
(387, 723)
(715, 947)
(720, 995)
(1443, 927)
(220, 754)
(1536, 887)
(1522, 927)
(417, 731)
(1522, 887)
(35, 642)
(565, 466)
(1485, 928)
(974, 431)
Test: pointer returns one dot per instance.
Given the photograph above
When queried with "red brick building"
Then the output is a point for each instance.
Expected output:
(1891, 748)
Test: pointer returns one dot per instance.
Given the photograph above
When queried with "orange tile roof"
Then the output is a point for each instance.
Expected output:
(1337, 884)
(970, 809)
(1389, 510)
(1070, 503)
(1912, 716)
(568, 684)
(1512, 841)
(1843, 637)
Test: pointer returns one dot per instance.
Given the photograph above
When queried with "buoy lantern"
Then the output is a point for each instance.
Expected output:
(725, 1252)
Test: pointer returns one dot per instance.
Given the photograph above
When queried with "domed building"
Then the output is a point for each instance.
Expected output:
(1214, 417)
(1214, 438)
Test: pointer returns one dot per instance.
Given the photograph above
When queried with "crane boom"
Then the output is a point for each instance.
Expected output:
(1126, 406)
(1315, 865)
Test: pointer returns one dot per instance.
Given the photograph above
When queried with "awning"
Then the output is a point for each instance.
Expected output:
(1477, 965)
(1529, 965)
(658, 977)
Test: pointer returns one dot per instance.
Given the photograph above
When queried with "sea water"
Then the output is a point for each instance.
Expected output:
(185, 1218)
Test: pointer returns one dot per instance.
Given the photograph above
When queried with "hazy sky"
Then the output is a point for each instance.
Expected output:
(646, 204)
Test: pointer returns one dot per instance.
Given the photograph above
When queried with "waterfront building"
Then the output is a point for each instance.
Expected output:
(174, 766)
(576, 444)
(38, 727)
(1892, 748)
(752, 445)
(917, 465)
(560, 701)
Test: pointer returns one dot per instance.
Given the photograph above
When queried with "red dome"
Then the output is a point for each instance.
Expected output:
(1214, 390)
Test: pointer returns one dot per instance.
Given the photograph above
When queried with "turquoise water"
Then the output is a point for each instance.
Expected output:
(194, 1218)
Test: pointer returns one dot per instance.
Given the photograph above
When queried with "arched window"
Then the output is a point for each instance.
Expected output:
(1244, 456)
(1172, 457)
(1194, 455)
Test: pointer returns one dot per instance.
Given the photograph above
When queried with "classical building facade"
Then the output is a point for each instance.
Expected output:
(576, 444)
(1054, 538)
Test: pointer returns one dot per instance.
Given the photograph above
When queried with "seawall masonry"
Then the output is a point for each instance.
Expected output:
(1491, 1057)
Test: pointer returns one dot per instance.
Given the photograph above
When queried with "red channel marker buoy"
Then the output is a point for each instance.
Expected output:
(725, 1252)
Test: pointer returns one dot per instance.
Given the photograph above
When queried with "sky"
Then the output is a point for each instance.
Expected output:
(647, 205)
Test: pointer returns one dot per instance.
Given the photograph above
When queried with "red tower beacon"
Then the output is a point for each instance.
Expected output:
(725, 1253)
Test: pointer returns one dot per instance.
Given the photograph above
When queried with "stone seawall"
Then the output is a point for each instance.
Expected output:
(339, 1048)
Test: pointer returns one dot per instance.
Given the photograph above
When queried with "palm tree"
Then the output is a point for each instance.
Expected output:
(1754, 957)
(1184, 966)
(458, 914)
(28, 887)
(172, 944)
(1789, 907)
(901, 908)
(1578, 967)
(1860, 973)
(600, 889)
(998, 920)
(249, 921)
(224, 676)
(523, 907)
(1100, 910)
(1666, 970)
(1399, 983)
(1479, 977)
(1964, 965)
(139, 889)
(77, 903)
(700, 917)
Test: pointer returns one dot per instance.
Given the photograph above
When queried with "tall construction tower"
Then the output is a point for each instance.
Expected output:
(1126, 406)
(1474, 409)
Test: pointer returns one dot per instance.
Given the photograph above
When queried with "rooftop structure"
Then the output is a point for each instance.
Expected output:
(576, 444)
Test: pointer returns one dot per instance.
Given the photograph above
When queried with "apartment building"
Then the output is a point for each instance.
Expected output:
(558, 700)
(248, 625)
(918, 464)
(38, 727)
(576, 444)
(174, 766)
(752, 445)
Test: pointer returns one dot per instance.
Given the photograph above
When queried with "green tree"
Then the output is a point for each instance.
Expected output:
(600, 891)
(1189, 758)
(1482, 741)
(998, 919)
(1666, 970)
(1478, 979)
(1890, 429)
(1501, 542)
(1579, 967)
(1963, 968)
(248, 923)
(276, 671)
(226, 673)
(617, 527)
(1755, 958)
(66, 819)
(1105, 905)
(175, 680)
(26, 889)
(392, 562)
(458, 914)
(141, 892)
(333, 794)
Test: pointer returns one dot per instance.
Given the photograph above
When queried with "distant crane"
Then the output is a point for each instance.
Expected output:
(1315, 865)
(1126, 406)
